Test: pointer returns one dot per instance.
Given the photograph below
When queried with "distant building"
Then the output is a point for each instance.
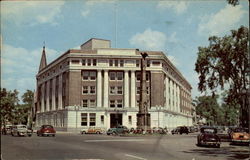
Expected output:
(99, 86)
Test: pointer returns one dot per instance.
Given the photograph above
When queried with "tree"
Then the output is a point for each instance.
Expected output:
(9, 99)
(27, 98)
(224, 63)
(207, 107)
(233, 2)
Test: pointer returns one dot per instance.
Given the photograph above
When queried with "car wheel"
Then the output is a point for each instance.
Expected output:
(83, 132)
(217, 145)
(98, 132)
(18, 134)
(53, 135)
(113, 133)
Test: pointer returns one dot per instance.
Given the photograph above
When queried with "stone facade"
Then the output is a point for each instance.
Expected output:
(100, 87)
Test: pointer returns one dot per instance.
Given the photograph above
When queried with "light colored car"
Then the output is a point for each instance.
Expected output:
(92, 130)
(240, 136)
(21, 130)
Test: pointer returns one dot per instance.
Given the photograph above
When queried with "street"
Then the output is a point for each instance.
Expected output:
(71, 146)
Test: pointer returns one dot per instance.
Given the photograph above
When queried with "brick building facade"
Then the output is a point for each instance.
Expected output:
(99, 86)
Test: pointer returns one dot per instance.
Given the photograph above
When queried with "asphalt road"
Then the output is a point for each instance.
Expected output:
(67, 146)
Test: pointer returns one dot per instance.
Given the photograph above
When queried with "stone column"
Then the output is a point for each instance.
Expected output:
(167, 92)
(42, 98)
(126, 89)
(106, 89)
(133, 89)
(60, 92)
(99, 88)
(171, 95)
(54, 94)
(47, 96)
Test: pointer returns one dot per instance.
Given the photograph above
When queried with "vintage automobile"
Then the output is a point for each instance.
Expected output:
(208, 137)
(21, 130)
(92, 130)
(180, 130)
(118, 130)
(176, 131)
(240, 136)
(46, 130)
(7, 129)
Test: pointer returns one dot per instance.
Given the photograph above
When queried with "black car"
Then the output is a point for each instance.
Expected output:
(184, 129)
(208, 137)
(180, 130)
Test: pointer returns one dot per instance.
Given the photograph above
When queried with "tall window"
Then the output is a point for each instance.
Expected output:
(89, 62)
(138, 76)
(85, 75)
(92, 75)
(94, 62)
(119, 75)
(121, 63)
(92, 119)
(110, 62)
(92, 89)
(116, 63)
(92, 103)
(84, 62)
(85, 103)
(112, 75)
(148, 63)
(112, 90)
(84, 119)
(89, 75)
(85, 89)
(112, 104)
(137, 63)
(119, 90)
(102, 119)
(138, 89)
(130, 119)
(119, 104)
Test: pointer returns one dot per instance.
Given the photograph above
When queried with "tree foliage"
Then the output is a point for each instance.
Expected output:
(208, 108)
(9, 99)
(233, 2)
(224, 63)
(11, 110)
(225, 114)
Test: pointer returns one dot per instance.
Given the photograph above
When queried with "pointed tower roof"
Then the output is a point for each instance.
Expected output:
(43, 62)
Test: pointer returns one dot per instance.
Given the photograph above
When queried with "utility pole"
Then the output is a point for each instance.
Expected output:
(143, 117)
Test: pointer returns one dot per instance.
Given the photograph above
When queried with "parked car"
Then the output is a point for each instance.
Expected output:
(92, 130)
(176, 131)
(141, 131)
(46, 130)
(118, 130)
(7, 129)
(180, 130)
(240, 136)
(159, 130)
(21, 130)
(208, 136)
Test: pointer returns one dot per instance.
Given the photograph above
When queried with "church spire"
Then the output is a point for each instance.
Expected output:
(43, 62)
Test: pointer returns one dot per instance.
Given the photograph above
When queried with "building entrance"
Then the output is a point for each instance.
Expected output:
(115, 119)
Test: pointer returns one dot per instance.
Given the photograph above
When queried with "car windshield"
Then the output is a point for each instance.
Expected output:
(21, 126)
(239, 130)
(208, 130)
(48, 126)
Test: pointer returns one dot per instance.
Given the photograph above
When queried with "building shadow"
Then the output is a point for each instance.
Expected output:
(231, 152)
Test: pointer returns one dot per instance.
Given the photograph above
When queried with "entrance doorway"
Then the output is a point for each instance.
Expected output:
(115, 119)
